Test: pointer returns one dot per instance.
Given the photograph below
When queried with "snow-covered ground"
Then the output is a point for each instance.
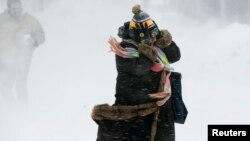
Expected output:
(73, 71)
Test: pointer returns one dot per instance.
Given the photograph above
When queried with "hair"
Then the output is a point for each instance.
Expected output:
(9, 2)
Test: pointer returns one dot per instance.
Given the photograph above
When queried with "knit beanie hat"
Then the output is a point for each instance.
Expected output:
(9, 2)
(142, 27)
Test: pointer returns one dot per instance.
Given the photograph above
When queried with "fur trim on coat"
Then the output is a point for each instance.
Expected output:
(107, 112)
(148, 51)
(165, 40)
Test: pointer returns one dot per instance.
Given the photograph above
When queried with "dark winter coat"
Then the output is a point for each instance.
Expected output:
(135, 81)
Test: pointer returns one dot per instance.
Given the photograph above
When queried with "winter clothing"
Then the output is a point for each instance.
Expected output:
(142, 27)
(139, 16)
(18, 38)
(134, 82)
(106, 112)
(157, 67)
(148, 51)
(164, 40)
(135, 116)
(178, 106)
(123, 31)
(9, 2)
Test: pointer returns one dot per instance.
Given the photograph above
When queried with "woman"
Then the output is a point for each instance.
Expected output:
(142, 109)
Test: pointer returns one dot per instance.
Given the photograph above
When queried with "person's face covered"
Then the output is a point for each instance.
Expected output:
(143, 32)
(15, 9)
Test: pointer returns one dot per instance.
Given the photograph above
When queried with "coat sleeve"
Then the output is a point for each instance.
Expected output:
(37, 32)
(172, 52)
(134, 66)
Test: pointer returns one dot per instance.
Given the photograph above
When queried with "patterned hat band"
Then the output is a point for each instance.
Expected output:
(149, 23)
